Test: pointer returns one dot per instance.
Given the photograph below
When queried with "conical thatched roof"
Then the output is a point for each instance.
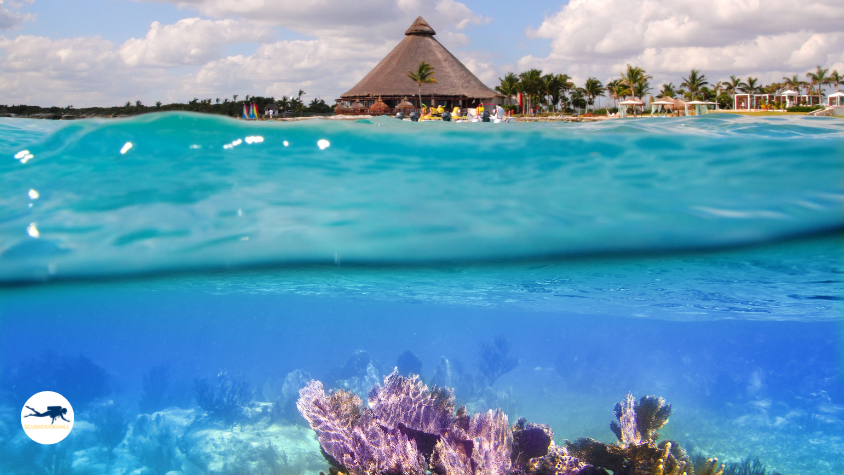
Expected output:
(405, 104)
(379, 108)
(388, 77)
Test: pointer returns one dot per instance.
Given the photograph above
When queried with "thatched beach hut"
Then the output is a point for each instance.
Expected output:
(379, 108)
(358, 108)
(341, 109)
(455, 86)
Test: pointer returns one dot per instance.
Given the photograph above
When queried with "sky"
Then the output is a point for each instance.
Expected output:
(106, 52)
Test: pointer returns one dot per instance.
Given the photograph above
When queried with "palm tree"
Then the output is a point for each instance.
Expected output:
(750, 86)
(530, 84)
(835, 79)
(424, 74)
(636, 79)
(794, 83)
(716, 88)
(694, 83)
(550, 89)
(667, 90)
(641, 88)
(509, 86)
(617, 90)
(577, 99)
(564, 85)
(732, 87)
(820, 78)
(592, 89)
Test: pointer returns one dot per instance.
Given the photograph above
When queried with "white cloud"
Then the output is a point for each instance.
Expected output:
(189, 41)
(325, 67)
(176, 62)
(365, 20)
(78, 71)
(10, 18)
(669, 37)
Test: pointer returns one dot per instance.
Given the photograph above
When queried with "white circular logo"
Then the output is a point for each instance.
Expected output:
(47, 417)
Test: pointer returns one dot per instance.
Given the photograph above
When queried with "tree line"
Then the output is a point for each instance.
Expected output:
(292, 105)
(557, 92)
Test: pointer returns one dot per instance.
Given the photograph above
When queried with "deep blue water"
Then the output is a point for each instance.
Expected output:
(695, 259)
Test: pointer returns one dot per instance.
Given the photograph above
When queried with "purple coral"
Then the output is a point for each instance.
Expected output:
(408, 402)
(407, 429)
(351, 436)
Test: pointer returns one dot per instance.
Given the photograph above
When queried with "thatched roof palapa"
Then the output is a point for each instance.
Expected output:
(405, 104)
(340, 108)
(379, 108)
(387, 79)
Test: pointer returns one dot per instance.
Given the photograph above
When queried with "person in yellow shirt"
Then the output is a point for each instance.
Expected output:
(456, 112)
(480, 109)
(440, 109)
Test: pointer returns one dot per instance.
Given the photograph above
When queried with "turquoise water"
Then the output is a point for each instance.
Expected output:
(697, 259)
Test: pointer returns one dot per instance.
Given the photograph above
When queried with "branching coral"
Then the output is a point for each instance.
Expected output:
(637, 451)
(408, 429)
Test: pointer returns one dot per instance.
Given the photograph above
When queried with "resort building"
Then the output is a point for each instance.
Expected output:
(455, 86)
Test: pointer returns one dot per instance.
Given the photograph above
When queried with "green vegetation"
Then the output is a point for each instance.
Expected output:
(551, 93)
(804, 108)
(288, 106)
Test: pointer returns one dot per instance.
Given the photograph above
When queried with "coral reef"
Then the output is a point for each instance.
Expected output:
(637, 451)
(408, 429)
(530, 441)
(558, 462)
(225, 399)
(494, 359)
(408, 363)
(703, 466)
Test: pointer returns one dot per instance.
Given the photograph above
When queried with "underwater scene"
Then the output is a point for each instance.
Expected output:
(213, 296)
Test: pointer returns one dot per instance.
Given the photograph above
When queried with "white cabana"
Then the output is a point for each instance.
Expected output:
(788, 95)
(658, 107)
(701, 107)
(838, 99)
(634, 102)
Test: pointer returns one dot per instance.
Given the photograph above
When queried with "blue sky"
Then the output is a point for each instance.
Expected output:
(106, 52)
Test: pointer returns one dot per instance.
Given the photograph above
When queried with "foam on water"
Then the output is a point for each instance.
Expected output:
(167, 192)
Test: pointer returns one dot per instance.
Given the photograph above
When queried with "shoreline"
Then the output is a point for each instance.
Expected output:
(49, 116)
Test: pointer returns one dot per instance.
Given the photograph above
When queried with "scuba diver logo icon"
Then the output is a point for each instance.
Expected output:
(42, 406)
